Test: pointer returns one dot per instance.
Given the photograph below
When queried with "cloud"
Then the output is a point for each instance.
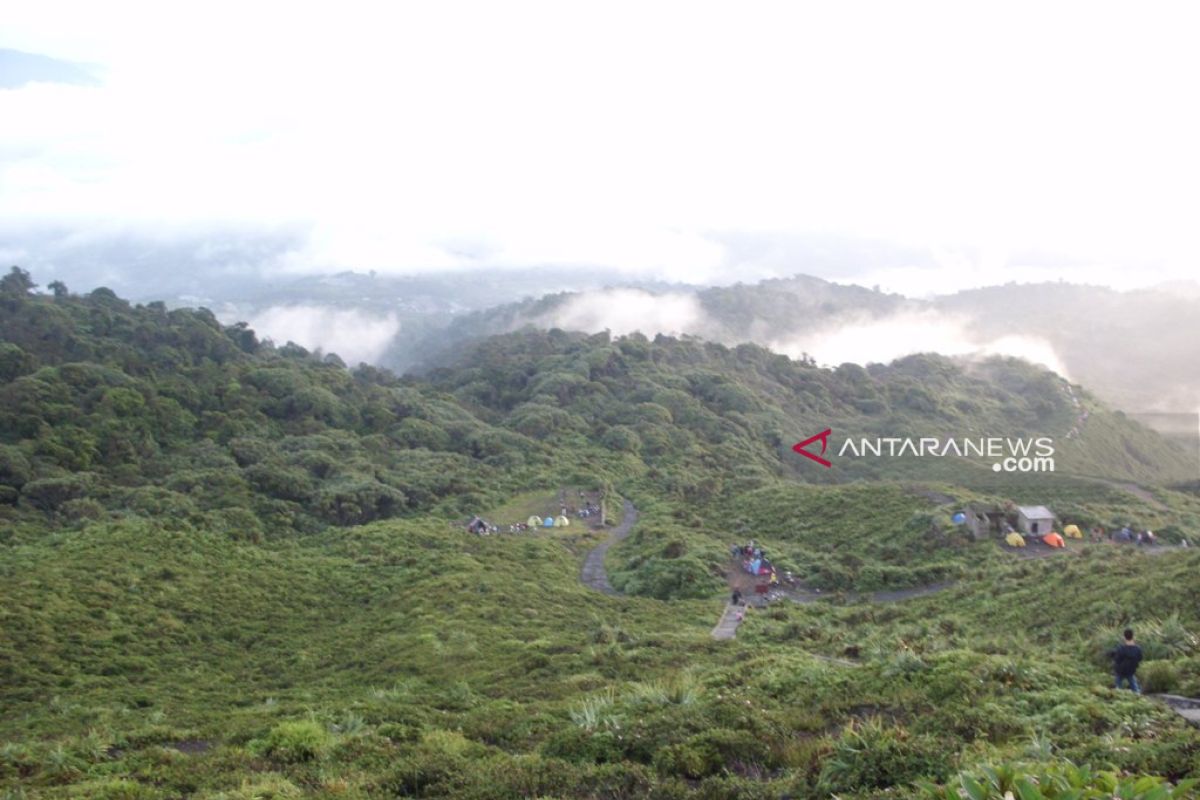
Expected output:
(414, 133)
(354, 335)
(624, 311)
(858, 340)
(883, 340)
(19, 69)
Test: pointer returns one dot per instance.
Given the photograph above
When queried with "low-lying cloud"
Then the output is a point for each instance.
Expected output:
(624, 311)
(888, 338)
(860, 340)
(355, 336)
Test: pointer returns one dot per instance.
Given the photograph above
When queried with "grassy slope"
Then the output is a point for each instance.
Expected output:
(416, 645)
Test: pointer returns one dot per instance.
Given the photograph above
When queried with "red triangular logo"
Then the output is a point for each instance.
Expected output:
(824, 437)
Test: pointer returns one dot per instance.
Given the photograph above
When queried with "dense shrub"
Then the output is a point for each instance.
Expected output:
(873, 755)
(295, 741)
(48, 494)
(1158, 677)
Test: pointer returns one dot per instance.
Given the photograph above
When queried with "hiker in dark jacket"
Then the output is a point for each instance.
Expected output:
(1126, 657)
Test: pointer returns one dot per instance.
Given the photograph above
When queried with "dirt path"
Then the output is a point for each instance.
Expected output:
(900, 595)
(1156, 549)
(799, 593)
(1034, 548)
(1135, 490)
(1186, 707)
(593, 573)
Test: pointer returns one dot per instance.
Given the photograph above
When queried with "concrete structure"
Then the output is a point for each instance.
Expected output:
(1035, 520)
(984, 521)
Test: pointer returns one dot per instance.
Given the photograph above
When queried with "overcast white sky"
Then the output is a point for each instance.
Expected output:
(1012, 141)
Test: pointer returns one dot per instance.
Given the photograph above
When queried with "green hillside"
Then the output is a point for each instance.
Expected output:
(230, 569)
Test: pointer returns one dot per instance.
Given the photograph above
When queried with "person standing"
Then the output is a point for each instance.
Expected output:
(1126, 657)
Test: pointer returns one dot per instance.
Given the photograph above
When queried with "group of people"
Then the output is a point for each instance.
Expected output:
(1127, 535)
(481, 527)
(748, 551)
(754, 558)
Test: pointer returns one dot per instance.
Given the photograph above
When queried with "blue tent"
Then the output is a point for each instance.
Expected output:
(549, 523)
(959, 518)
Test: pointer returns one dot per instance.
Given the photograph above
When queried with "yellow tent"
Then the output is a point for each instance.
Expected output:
(1015, 539)
(1072, 532)
(562, 521)
(534, 522)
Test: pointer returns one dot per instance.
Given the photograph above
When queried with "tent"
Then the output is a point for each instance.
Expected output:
(549, 522)
(533, 521)
(959, 518)
(1073, 532)
(562, 521)
(1054, 540)
(1015, 539)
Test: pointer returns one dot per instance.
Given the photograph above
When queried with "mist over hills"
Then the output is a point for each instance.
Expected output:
(1135, 349)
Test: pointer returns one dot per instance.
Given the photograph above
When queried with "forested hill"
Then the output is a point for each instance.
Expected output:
(107, 406)
(701, 405)
(168, 414)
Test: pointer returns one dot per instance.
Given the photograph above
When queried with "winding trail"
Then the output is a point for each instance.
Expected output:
(593, 573)
(733, 615)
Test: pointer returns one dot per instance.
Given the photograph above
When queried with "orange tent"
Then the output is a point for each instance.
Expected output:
(1054, 540)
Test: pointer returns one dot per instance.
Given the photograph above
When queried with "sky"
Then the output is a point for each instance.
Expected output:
(694, 141)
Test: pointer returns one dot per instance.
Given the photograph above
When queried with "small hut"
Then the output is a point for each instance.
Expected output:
(1035, 520)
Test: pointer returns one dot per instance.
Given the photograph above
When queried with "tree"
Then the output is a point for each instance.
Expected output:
(60, 290)
(243, 335)
(14, 362)
(17, 283)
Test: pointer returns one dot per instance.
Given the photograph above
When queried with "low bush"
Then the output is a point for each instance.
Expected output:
(293, 742)
(1158, 677)
(872, 755)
